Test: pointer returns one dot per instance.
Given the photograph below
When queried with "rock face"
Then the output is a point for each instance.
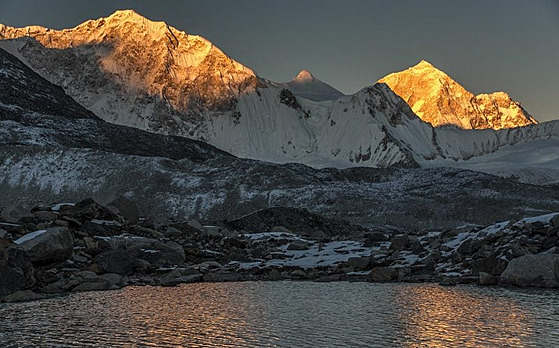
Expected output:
(441, 101)
(16, 270)
(541, 270)
(55, 244)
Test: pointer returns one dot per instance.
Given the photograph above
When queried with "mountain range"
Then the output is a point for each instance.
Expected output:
(134, 72)
(124, 105)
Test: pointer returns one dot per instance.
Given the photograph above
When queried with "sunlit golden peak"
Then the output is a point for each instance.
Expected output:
(424, 64)
(304, 75)
(128, 13)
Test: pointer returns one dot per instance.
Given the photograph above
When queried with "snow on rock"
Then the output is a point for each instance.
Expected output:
(317, 255)
(29, 236)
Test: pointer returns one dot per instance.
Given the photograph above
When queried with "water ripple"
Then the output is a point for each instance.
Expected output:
(287, 314)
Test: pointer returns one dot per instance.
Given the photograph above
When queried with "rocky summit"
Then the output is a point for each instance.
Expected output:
(436, 98)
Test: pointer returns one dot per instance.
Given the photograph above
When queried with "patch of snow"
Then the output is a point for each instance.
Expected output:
(57, 207)
(29, 236)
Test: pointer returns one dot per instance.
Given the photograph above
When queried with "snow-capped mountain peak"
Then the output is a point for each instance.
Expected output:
(303, 76)
(307, 86)
(436, 98)
(133, 71)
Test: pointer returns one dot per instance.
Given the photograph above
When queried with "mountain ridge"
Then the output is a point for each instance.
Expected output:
(438, 99)
(250, 117)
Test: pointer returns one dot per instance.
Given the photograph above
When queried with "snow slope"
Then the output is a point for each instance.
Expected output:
(148, 75)
(307, 86)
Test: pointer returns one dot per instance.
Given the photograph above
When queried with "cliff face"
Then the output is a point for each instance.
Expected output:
(438, 99)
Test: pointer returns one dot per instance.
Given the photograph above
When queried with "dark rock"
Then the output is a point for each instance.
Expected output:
(469, 247)
(382, 274)
(298, 245)
(235, 242)
(115, 261)
(299, 274)
(297, 220)
(23, 296)
(491, 265)
(87, 210)
(16, 271)
(54, 245)
(181, 275)
(449, 281)
(174, 233)
(488, 279)
(16, 214)
(274, 274)
(399, 242)
(360, 263)
(223, 276)
(540, 270)
(43, 216)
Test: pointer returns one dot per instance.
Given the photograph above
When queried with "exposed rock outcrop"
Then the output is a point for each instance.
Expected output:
(441, 101)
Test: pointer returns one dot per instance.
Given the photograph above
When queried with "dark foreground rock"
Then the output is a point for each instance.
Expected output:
(54, 244)
(90, 247)
(540, 270)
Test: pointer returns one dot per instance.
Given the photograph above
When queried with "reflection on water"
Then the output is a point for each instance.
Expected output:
(439, 317)
(288, 314)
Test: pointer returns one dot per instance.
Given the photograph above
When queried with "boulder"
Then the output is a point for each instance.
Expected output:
(115, 261)
(180, 276)
(23, 296)
(87, 210)
(382, 274)
(16, 271)
(448, 281)
(298, 245)
(47, 246)
(491, 265)
(299, 274)
(45, 216)
(541, 270)
(399, 242)
(360, 262)
(488, 279)
(16, 214)
(174, 233)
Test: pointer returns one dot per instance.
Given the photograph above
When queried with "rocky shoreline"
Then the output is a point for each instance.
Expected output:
(52, 250)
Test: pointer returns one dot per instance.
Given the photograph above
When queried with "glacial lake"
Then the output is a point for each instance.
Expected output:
(288, 314)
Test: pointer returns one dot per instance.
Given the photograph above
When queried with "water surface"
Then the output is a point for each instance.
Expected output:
(288, 314)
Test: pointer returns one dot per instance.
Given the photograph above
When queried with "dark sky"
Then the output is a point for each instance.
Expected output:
(510, 45)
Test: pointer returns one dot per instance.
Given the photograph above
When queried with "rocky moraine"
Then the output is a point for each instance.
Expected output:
(51, 250)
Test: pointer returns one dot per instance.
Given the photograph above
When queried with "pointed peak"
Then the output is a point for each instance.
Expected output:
(304, 76)
(424, 64)
(126, 12)
(128, 15)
